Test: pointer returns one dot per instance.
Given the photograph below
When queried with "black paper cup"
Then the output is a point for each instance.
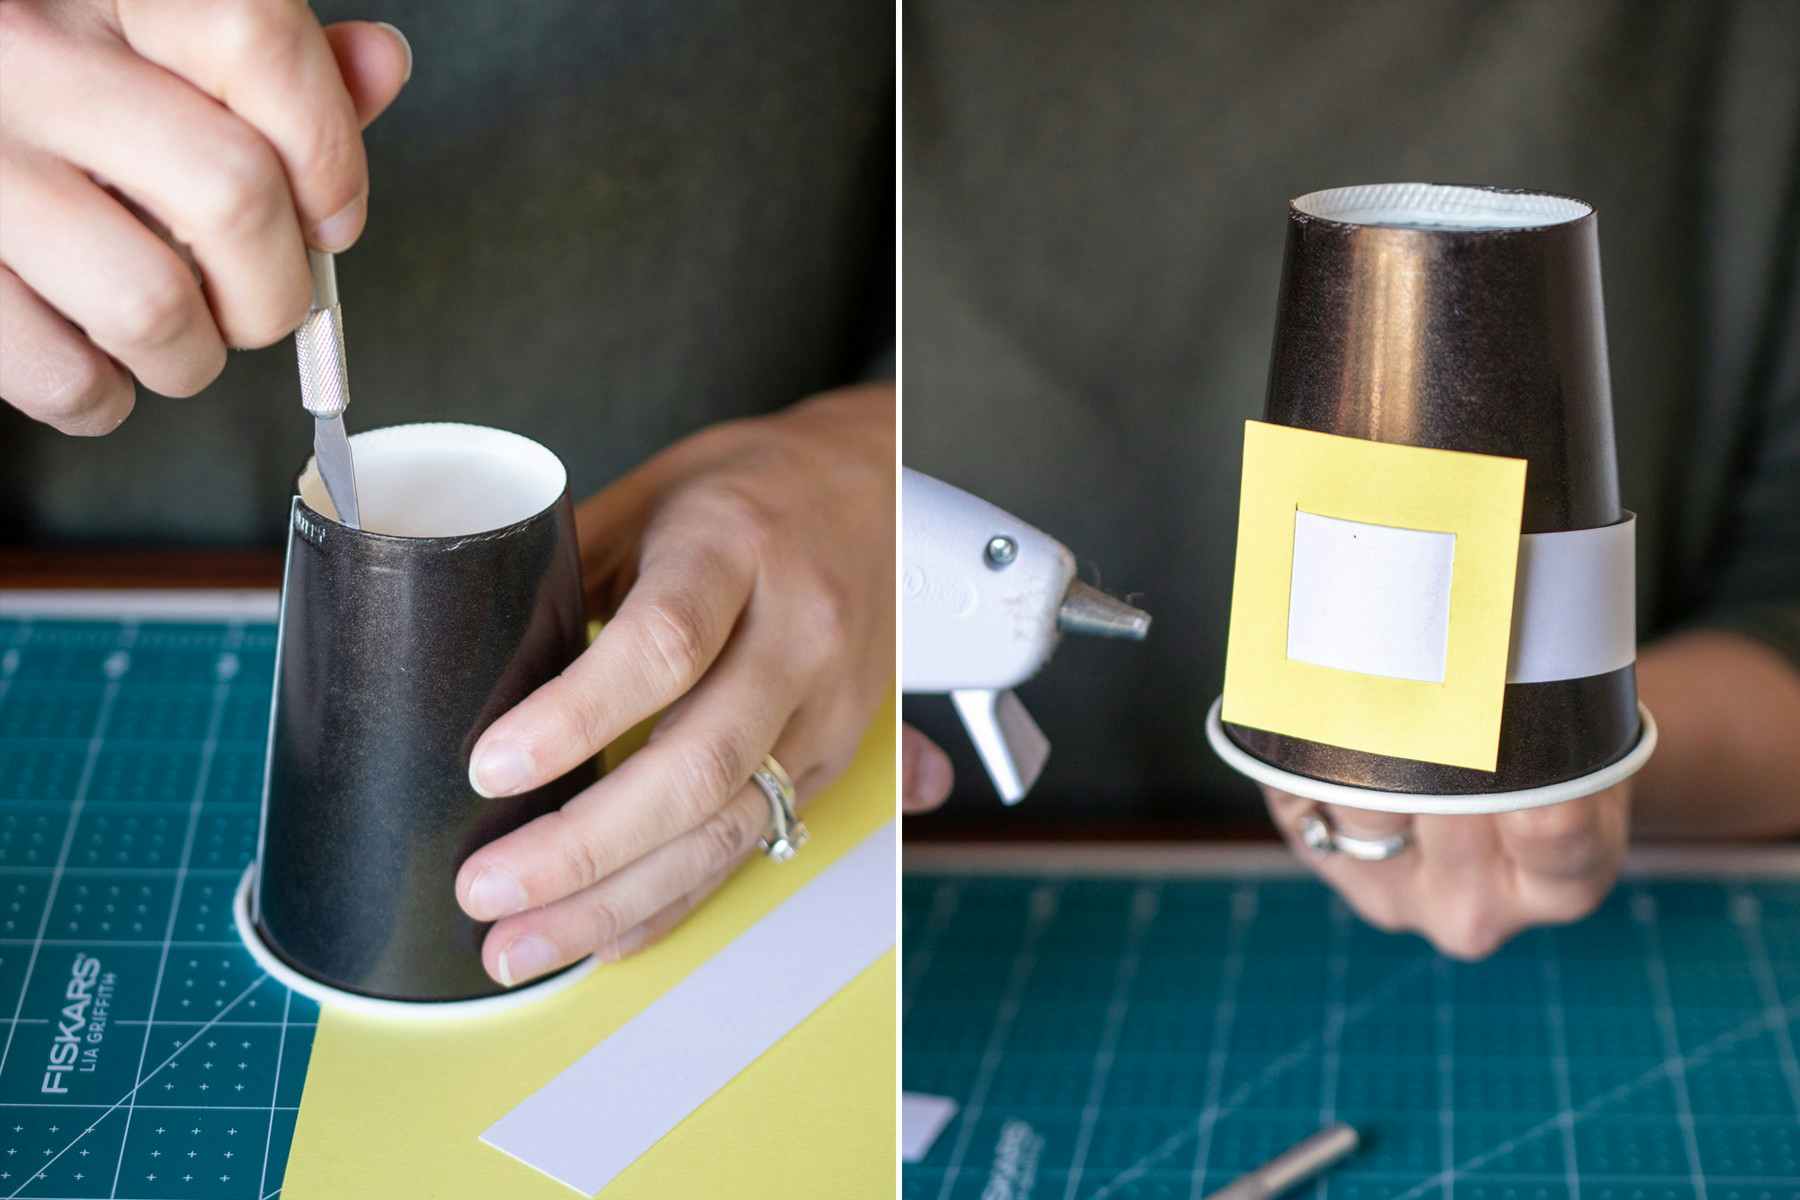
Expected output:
(1469, 319)
(399, 644)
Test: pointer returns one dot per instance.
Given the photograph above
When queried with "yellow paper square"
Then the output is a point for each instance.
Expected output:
(391, 1111)
(1477, 497)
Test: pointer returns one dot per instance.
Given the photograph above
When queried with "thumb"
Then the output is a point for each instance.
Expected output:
(925, 772)
(375, 60)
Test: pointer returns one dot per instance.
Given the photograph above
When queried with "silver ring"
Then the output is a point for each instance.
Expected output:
(787, 833)
(1317, 835)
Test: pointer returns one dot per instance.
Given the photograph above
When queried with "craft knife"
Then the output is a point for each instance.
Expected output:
(1293, 1166)
(325, 387)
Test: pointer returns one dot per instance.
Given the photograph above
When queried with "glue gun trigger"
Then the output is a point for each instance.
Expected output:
(1012, 747)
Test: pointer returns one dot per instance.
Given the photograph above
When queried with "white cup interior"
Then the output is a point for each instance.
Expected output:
(443, 480)
(1440, 206)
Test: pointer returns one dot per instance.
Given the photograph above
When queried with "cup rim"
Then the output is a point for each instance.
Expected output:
(1444, 208)
(308, 478)
(1323, 791)
(330, 995)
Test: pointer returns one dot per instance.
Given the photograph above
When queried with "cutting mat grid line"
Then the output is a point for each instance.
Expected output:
(1643, 1054)
(131, 757)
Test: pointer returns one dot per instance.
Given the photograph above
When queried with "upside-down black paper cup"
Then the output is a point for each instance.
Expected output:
(1468, 319)
(399, 643)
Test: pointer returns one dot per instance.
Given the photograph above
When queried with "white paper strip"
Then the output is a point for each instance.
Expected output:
(1372, 599)
(593, 1120)
(1575, 604)
(922, 1118)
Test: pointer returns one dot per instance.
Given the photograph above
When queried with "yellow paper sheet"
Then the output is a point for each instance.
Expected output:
(1477, 497)
(391, 1112)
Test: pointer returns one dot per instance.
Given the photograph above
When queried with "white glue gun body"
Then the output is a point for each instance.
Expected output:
(984, 600)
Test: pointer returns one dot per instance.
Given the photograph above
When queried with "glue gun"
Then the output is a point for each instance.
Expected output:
(984, 600)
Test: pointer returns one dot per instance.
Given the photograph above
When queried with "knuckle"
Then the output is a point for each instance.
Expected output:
(243, 191)
(825, 608)
(675, 640)
(711, 770)
(583, 861)
(73, 392)
(1574, 903)
(256, 33)
(198, 373)
(582, 715)
(722, 840)
(743, 517)
(1470, 935)
(1551, 823)
(606, 919)
(331, 159)
(99, 420)
(154, 309)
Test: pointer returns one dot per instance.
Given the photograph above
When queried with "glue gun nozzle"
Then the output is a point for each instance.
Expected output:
(1090, 611)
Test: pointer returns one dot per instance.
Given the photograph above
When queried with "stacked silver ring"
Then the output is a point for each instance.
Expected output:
(787, 833)
(1317, 835)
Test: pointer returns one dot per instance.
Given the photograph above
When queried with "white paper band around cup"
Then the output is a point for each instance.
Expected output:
(1575, 604)
(1375, 600)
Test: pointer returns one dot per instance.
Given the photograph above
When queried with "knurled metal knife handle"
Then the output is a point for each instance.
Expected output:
(319, 342)
(1293, 1166)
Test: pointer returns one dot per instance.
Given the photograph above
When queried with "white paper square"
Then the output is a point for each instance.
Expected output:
(1372, 599)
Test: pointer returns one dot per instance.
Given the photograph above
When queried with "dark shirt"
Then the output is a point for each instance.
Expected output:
(601, 225)
(1094, 210)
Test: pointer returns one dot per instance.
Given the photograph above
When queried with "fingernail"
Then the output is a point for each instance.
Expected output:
(337, 231)
(495, 894)
(404, 43)
(500, 770)
(525, 958)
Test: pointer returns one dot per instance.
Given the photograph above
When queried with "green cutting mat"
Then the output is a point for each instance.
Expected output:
(1155, 1037)
(131, 759)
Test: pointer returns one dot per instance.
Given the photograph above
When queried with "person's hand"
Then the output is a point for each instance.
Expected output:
(1468, 883)
(751, 567)
(926, 775)
(163, 167)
